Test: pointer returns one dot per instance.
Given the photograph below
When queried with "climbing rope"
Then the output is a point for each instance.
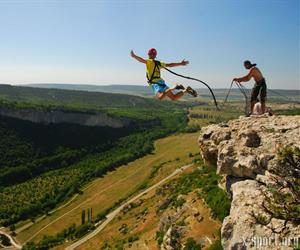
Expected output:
(195, 79)
(245, 92)
(284, 96)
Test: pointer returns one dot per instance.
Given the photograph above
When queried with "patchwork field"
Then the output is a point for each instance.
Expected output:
(137, 228)
(102, 193)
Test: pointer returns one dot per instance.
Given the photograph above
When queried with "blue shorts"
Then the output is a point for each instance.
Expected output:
(159, 87)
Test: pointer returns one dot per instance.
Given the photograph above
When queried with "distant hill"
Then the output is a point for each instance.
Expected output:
(118, 88)
(76, 98)
(204, 93)
(235, 94)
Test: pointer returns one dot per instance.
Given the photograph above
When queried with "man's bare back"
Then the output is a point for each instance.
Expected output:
(256, 74)
(253, 72)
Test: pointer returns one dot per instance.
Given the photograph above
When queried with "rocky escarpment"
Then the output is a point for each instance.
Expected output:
(259, 159)
(63, 116)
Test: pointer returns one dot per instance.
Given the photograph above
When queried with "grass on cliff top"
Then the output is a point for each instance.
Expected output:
(200, 116)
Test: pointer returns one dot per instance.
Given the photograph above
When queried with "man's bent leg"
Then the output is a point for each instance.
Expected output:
(252, 106)
(263, 94)
(263, 106)
(161, 95)
(176, 96)
(254, 94)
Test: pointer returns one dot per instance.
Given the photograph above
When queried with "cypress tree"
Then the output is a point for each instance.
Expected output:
(89, 216)
(92, 215)
(83, 217)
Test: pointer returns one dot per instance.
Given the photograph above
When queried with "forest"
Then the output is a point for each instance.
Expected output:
(44, 164)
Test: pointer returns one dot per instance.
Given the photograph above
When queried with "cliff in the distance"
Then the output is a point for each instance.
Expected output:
(259, 159)
(63, 116)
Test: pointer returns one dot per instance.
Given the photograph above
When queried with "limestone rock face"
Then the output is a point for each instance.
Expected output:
(171, 240)
(245, 151)
(244, 147)
(62, 116)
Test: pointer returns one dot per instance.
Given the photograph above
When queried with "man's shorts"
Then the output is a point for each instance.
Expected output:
(260, 88)
(159, 87)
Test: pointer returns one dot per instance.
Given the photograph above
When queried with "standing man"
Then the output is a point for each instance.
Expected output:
(260, 87)
(158, 85)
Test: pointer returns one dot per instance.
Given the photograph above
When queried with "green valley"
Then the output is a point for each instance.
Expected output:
(54, 168)
(44, 164)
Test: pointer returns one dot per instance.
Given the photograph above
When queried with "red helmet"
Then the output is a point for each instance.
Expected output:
(152, 51)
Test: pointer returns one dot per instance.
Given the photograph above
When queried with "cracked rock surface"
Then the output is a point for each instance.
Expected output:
(245, 151)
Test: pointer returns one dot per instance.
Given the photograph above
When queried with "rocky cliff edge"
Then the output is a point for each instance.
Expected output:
(259, 159)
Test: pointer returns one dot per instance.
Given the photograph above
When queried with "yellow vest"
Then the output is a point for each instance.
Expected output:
(150, 65)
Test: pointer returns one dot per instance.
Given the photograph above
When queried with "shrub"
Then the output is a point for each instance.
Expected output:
(216, 245)
(83, 229)
(159, 237)
(191, 244)
(133, 238)
(285, 204)
(206, 180)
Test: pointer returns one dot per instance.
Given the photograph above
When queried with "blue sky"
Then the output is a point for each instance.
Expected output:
(88, 42)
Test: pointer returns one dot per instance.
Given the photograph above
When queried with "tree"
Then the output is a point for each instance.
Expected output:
(89, 216)
(191, 244)
(5, 240)
(83, 217)
(92, 215)
(12, 227)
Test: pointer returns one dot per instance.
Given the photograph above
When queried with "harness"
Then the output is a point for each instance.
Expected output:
(150, 80)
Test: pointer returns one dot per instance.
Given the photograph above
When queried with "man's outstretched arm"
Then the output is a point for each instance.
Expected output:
(244, 78)
(182, 63)
(140, 59)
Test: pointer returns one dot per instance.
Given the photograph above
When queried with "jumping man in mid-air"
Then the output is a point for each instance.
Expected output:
(260, 87)
(158, 85)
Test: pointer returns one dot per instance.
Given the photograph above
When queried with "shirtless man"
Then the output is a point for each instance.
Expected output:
(260, 87)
